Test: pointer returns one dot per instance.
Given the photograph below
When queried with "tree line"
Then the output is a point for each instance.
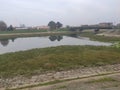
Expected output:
(3, 26)
(51, 24)
(54, 25)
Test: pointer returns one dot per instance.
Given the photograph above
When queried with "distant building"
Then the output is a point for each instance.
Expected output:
(42, 27)
(84, 25)
(118, 25)
(109, 24)
(22, 25)
(21, 28)
(93, 25)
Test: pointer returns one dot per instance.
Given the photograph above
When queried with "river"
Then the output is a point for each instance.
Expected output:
(27, 43)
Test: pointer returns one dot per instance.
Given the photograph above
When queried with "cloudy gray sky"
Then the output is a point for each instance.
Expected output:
(69, 12)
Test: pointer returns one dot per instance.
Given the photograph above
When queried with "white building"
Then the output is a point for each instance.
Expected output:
(42, 27)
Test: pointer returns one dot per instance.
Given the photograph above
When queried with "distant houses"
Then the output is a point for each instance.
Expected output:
(118, 25)
(96, 27)
(100, 25)
(108, 24)
(21, 28)
(103, 25)
(42, 27)
(33, 28)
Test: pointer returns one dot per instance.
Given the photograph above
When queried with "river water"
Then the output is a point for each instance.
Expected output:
(27, 43)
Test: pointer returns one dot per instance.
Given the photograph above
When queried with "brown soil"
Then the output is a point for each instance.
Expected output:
(111, 33)
(83, 72)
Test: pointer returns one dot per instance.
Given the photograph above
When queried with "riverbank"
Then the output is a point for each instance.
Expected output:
(101, 36)
(20, 68)
(111, 33)
(33, 34)
(110, 81)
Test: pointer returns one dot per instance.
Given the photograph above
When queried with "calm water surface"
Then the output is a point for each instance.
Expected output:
(21, 44)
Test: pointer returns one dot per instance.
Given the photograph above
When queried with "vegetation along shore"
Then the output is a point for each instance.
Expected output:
(44, 62)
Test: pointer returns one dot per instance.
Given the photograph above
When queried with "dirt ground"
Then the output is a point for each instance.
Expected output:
(105, 82)
(111, 33)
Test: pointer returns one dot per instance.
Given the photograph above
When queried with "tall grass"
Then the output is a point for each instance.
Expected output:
(56, 59)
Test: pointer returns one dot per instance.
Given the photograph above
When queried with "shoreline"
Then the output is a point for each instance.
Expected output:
(2, 36)
(111, 33)
(108, 35)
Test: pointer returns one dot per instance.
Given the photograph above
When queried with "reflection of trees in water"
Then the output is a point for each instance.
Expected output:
(13, 39)
(53, 38)
(5, 42)
(74, 35)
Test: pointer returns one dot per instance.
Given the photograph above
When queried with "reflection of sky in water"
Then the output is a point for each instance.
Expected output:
(20, 44)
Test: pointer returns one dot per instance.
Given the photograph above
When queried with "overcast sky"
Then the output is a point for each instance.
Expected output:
(68, 12)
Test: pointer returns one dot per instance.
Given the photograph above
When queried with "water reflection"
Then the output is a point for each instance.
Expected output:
(74, 35)
(27, 43)
(54, 38)
(5, 42)
(13, 39)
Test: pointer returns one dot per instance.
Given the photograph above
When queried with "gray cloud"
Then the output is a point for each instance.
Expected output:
(69, 12)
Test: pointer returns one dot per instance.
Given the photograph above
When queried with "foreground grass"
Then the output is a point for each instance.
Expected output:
(56, 59)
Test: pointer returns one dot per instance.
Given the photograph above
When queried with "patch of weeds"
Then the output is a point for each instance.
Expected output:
(61, 87)
(101, 80)
(111, 86)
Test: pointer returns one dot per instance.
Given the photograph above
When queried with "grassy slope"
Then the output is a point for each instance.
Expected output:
(21, 31)
(29, 31)
(93, 36)
(56, 58)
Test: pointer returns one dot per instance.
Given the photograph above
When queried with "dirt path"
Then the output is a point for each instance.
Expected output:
(18, 82)
(84, 84)
(111, 33)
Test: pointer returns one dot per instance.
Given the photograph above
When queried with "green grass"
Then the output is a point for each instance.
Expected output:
(61, 87)
(37, 61)
(44, 84)
(31, 31)
(117, 45)
(102, 80)
(21, 31)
